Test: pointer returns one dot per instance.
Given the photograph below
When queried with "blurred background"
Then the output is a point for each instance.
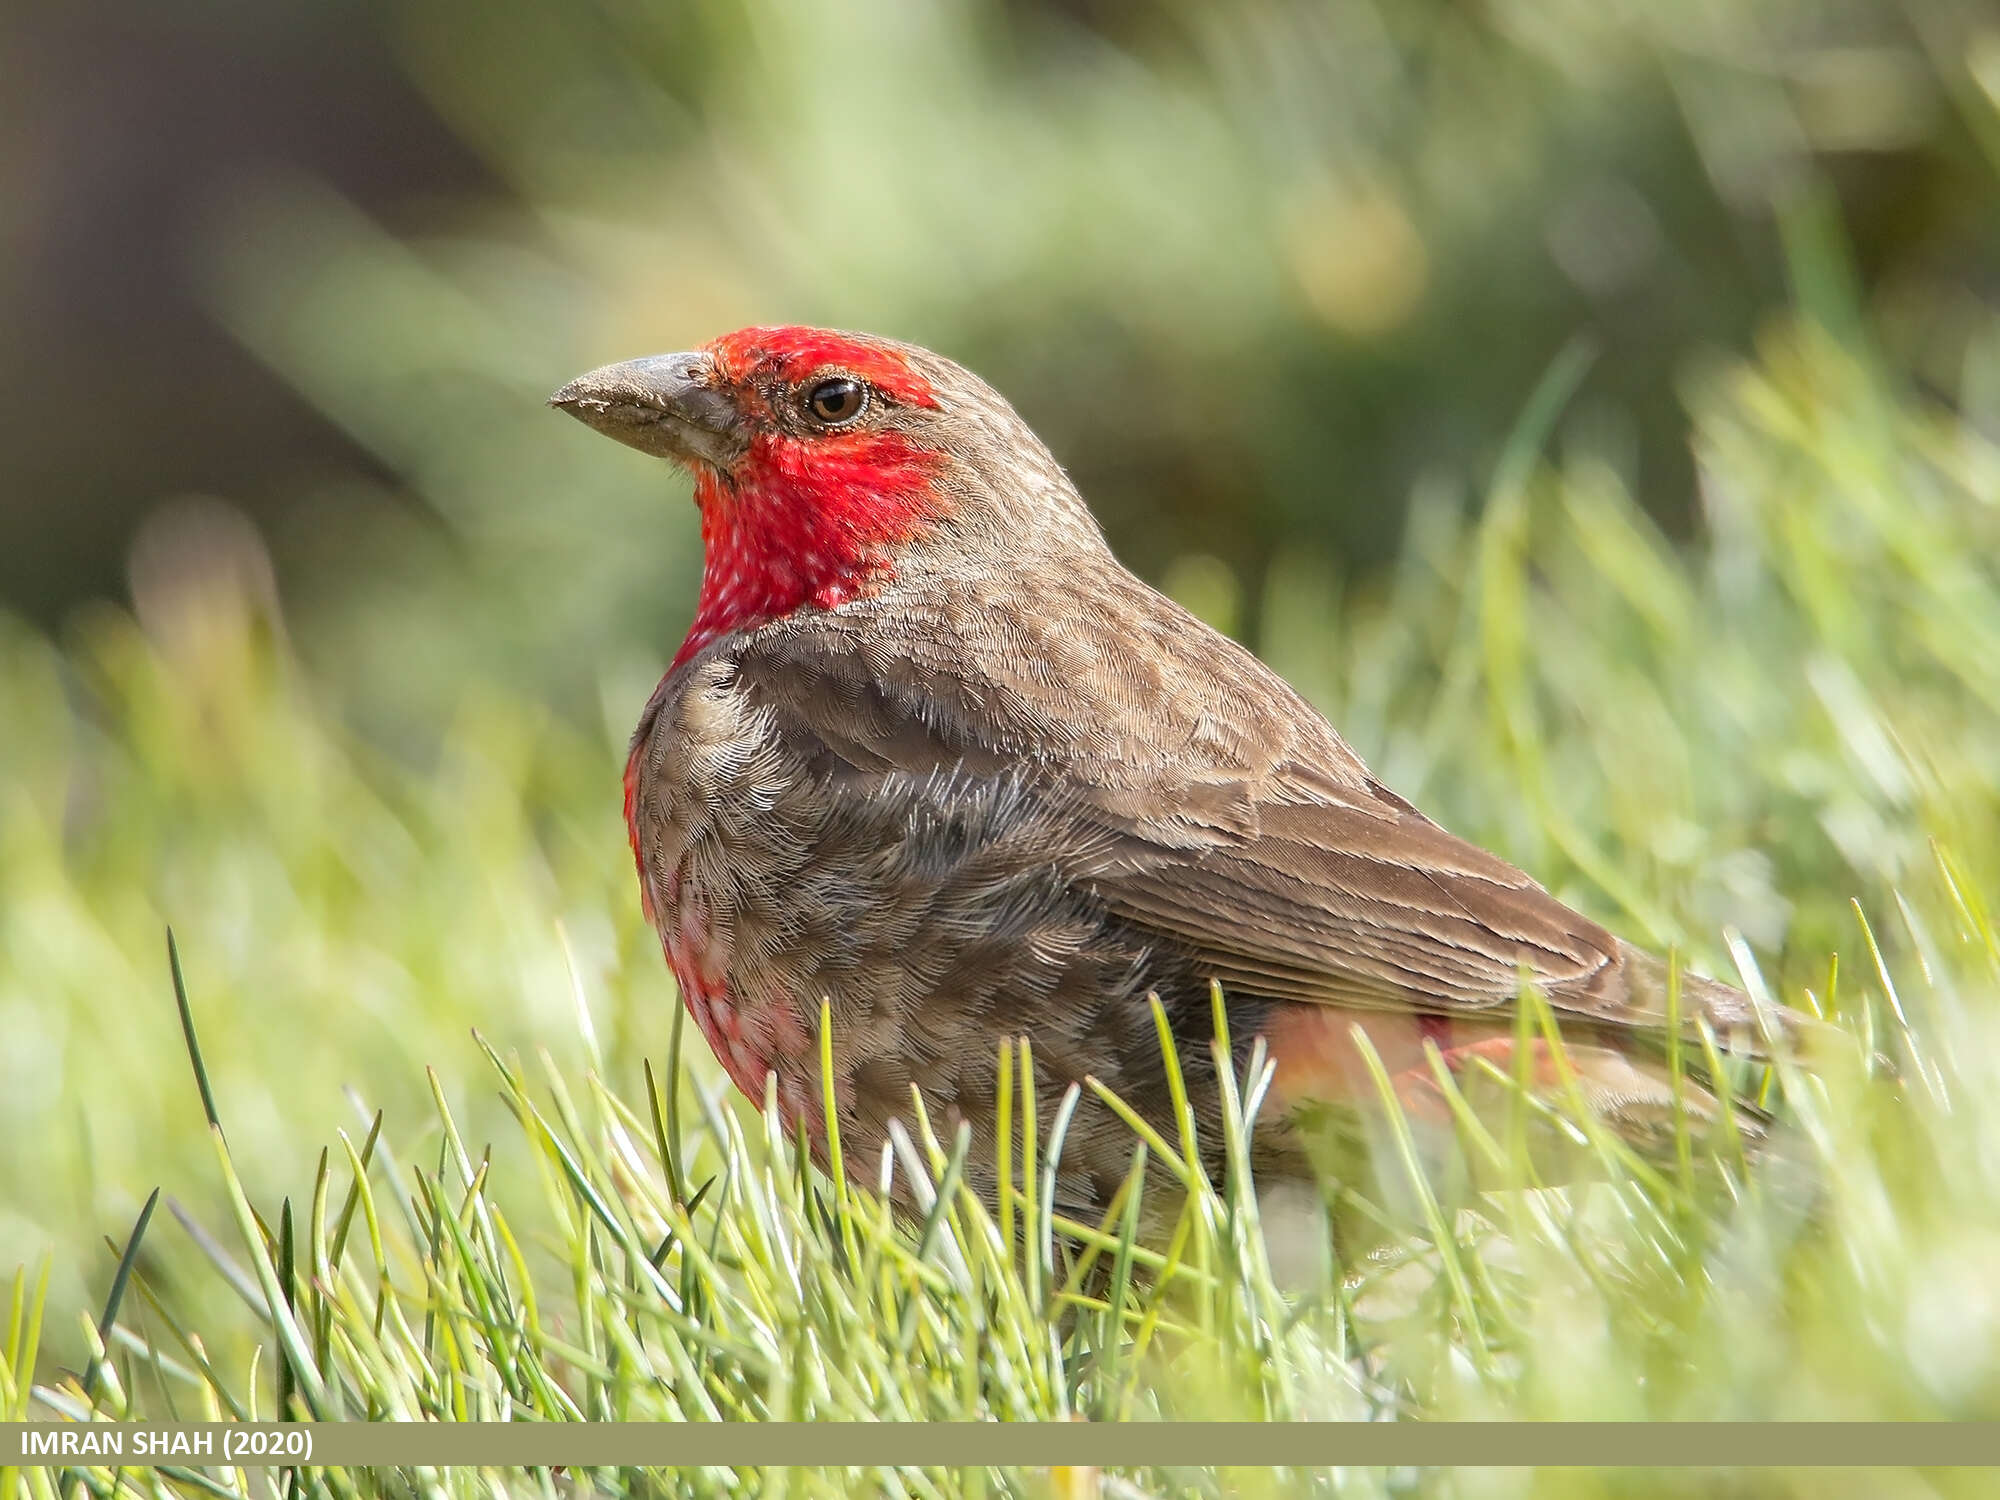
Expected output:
(1589, 402)
(1257, 271)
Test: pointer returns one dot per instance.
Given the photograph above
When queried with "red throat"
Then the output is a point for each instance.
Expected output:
(803, 522)
(805, 526)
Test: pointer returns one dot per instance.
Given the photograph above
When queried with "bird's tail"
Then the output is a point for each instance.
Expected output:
(1738, 1025)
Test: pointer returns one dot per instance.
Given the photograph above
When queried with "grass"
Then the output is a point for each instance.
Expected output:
(536, 1198)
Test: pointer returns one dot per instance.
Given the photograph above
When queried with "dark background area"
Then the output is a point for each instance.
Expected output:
(120, 385)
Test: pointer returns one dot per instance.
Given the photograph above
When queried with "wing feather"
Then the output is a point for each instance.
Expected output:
(1211, 805)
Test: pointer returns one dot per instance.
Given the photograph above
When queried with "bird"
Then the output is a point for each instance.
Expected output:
(931, 762)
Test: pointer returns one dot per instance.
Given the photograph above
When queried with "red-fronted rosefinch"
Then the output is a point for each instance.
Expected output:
(929, 752)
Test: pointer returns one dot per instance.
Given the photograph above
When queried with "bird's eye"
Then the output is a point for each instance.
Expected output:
(837, 401)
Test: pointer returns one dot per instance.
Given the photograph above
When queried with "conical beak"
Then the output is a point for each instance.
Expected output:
(669, 405)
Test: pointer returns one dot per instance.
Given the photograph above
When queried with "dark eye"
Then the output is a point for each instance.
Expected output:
(837, 401)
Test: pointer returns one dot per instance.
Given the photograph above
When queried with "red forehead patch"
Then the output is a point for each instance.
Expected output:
(793, 353)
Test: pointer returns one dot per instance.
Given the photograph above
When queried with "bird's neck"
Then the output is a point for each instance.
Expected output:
(806, 528)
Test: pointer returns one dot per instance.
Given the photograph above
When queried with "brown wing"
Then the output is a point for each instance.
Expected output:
(1212, 805)
(1359, 905)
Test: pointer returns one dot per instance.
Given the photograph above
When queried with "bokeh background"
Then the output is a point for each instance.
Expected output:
(322, 634)
(1257, 271)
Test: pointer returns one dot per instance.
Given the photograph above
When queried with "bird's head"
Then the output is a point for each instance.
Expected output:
(822, 461)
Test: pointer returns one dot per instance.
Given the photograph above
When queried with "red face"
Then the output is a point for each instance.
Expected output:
(828, 487)
(796, 359)
(809, 460)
